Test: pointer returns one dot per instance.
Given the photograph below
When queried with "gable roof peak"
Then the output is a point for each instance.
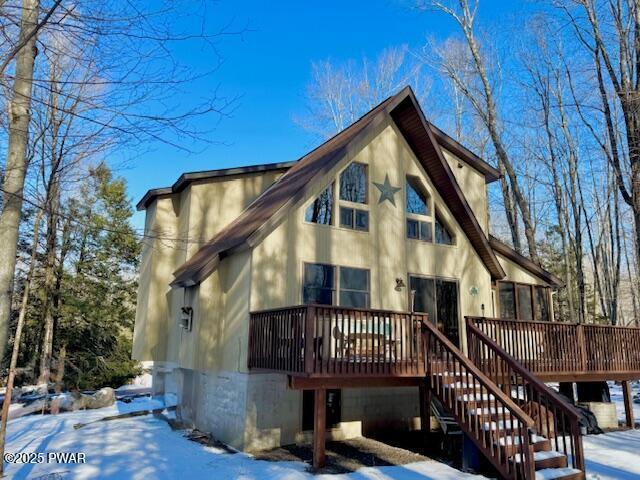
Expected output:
(294, 185)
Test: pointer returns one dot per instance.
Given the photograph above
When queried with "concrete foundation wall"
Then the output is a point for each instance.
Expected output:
(214, 403)
(253, 412)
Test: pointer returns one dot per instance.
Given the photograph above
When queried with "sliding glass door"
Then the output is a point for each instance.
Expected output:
(439, 299)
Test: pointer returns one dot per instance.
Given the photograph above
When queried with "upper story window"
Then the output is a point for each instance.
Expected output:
(419, 230)
(417, 208)
(353, 183)
(353, 189)
(443, 233)
(417, 202)
(321, 210)
(354, 218)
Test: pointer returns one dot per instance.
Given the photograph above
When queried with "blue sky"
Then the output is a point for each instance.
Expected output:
(268, 68)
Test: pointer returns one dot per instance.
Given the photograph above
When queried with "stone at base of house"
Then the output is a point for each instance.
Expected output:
(605, 413)
(253, 412)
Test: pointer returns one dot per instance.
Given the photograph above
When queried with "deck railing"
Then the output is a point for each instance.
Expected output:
(557, 350)
(319, 340)
(489, 416)
(555, 418)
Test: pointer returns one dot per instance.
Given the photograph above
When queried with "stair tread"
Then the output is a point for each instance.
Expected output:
(516, 440)
(502, 425)
(474, 397)
(488, 410)
(556, 473)
(542, 455)
(463, 385)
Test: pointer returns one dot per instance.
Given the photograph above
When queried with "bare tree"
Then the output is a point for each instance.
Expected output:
(543, 81)
(16, 165)
(466, 67)
(135, 75)
(610, 31)
(18, 335)
(339, 94)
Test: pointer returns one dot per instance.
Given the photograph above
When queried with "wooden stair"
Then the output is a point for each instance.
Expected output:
(492, 419)
(499, 428)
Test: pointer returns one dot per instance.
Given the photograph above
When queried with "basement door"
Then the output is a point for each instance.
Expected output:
(438, 298)
(334, 408)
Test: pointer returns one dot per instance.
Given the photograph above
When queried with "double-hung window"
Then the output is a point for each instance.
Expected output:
(354, 287)
(319, 284)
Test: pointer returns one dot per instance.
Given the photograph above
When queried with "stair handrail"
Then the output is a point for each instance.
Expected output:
(485, 380)
(506, 464)
(533, 381)
(522, 370)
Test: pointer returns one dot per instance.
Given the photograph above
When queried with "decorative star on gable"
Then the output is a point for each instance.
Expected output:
(387, 192)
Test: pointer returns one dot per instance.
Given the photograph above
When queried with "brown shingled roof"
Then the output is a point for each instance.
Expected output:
(187, 178)
(490, 173)
(524, 262)
(264, 212)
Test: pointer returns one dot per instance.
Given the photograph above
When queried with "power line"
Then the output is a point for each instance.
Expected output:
(139, 236)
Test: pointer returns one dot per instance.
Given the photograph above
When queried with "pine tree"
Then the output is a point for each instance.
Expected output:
(95, 324)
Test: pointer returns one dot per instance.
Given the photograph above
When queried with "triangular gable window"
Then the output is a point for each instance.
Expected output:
(321, 210)
(443, 233)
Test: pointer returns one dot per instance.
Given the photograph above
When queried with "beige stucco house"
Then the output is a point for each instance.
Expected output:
(389, 215)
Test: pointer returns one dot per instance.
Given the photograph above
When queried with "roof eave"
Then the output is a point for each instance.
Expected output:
(186, 179)
(490, 173)
(150, 196)
(526, 263)
(483, 247)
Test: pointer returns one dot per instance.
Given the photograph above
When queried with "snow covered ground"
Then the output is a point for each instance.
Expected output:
(617, 398)
(146, 448)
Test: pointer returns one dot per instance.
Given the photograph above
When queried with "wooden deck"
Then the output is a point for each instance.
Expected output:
(366, 343)
(555, 351)
(324, 341)
(321, 347)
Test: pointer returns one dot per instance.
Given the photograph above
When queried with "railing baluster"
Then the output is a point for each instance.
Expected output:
(555, 417)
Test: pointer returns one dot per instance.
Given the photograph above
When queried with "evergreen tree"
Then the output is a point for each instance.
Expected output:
(93, 335)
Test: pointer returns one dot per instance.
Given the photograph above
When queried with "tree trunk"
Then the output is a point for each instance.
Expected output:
(491, 120)
(18, 337)
(16, 165)
(49, 289)
(62, 356)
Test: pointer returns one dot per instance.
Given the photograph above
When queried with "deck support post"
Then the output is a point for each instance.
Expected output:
(628, 404)
(319, 426)
(425, 408)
